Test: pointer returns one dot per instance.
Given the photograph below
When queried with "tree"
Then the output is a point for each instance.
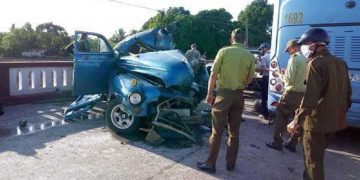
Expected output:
(48, 36)
(52, 38)
(19, 40)
(118, 36)
(163, 18)
(258, 17)
(177, 11)
(210, 29)
(133, 31)
(1, 48)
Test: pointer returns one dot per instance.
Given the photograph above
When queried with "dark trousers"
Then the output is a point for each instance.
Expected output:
(1, 109)
(264, 95)
(227, 109)
(288, 103)
(314, 145)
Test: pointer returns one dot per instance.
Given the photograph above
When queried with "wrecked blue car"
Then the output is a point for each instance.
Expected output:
(144, 80)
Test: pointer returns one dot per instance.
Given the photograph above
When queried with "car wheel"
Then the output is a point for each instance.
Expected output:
(119, 119)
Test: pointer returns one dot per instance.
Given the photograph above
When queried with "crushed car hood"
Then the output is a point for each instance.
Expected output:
(156, 39)
(169, 66)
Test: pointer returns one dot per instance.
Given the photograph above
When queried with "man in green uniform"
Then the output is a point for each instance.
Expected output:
(234, 67)
(83, 45)
(193, 53)
(326, 100)
(293, 78)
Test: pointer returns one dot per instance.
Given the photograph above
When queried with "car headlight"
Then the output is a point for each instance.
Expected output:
(135, 98)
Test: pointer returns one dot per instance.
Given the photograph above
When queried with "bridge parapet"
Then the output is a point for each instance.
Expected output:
(30, 81)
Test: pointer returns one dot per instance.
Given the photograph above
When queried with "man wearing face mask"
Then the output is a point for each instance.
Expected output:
(293, 78)
(326, 100)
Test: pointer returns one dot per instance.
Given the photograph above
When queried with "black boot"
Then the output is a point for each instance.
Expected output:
(205, 167)
(291, 147)
(230, 168)
(1, 110)
(275, 145)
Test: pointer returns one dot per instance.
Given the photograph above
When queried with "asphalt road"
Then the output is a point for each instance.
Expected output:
(86, 149)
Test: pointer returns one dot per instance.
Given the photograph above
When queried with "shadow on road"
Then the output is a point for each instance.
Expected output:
(255, 161)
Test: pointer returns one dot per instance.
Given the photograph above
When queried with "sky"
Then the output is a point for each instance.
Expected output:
(101, 16)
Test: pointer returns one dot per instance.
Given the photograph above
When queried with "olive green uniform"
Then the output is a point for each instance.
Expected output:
(235, 66)
(83, 46)
(192, 54)
(322, 111)
(293, 78)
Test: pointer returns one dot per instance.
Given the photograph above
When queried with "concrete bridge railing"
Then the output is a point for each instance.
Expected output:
(34, 80)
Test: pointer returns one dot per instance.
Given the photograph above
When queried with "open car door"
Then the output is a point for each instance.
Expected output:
(94, 61)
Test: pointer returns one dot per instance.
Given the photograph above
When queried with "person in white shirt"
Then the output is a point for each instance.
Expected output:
(264, 71)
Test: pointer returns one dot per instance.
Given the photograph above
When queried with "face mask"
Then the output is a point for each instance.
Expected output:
(305, 49)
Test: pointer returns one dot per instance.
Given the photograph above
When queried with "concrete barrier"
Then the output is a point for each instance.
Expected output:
(30, 81)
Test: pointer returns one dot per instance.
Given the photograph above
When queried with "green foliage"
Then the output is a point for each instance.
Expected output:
(52, 38)
(49, 37)
(133, 31)
(18, 40)
(118, 36)
(258, 15)
(212, 30)
(163, 18)
(209, 29)
(2, 51)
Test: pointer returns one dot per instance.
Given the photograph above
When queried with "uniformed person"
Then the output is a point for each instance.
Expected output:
(83, 45)
(294, 78)
(264, 70)
(193, 53)
(326, 100)
(234, 67)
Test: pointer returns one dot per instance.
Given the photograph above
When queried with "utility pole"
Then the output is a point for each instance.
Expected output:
(246, 43)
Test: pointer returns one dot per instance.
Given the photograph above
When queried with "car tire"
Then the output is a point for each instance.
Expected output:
(121, 120)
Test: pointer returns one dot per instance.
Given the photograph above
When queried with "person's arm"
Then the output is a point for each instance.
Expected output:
(187, 55)
(213, 77)
(290, 72)
(260, 68)
(264, 63)
(349, 91)
(211, 86)
(70, 48)
(198, 55)
(309, 102)
(251, 72)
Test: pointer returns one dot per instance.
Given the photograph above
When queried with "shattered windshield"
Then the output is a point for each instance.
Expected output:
(139, 48)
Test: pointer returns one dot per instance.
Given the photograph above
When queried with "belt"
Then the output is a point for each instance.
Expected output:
(292, 91)
(230, 91)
